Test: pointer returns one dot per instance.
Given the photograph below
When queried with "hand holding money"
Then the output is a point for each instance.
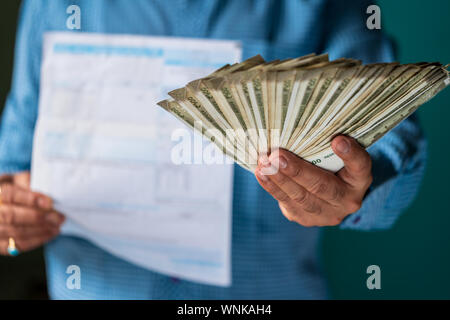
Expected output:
(314, 117)
(312, 196)
(254, 107)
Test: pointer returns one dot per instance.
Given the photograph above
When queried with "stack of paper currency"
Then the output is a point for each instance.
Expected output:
(301, 104)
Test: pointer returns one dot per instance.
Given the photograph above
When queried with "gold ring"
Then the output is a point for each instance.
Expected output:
(12, 250)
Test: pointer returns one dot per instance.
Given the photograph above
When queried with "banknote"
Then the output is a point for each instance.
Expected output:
(251, 108)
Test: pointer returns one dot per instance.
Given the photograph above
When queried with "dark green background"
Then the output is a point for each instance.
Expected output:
(414, 256)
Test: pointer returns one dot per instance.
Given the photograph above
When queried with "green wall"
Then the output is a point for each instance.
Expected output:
(414, 256)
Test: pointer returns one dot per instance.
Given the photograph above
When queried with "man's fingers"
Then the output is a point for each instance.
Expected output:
(23, 232)
(14, 194)
(22, 179)
(318, 181)
(270, 187)
(26, 244)
(34, 242)
(296, 203)
(20, 215)
(357, 162)
(297, 193)
(6, 178)
(295, 213)
(290, 210)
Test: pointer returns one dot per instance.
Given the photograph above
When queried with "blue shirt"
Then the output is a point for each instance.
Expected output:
(272, 258)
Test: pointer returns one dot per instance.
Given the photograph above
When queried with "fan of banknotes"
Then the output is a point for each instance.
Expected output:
(250, 108)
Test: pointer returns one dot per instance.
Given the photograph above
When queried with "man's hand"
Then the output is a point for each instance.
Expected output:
(27, 217)
(312, 196)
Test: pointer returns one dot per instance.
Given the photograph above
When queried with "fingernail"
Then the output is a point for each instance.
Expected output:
(54, 218)
(343, 146)
(283, 162)
(264, 160)
(276, 162)
(268, 171)
(44, 203)
(261, 176)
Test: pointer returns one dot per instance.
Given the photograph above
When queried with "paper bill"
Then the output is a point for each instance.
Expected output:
(104, 152)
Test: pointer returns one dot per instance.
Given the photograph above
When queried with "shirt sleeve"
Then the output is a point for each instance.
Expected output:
(399, 157)
(20, 112)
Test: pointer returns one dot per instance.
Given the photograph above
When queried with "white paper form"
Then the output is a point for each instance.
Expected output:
(102, 151)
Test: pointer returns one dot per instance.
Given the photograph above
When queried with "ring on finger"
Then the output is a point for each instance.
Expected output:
(12, 250)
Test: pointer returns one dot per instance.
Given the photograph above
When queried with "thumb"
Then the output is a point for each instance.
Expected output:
(357, 162)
